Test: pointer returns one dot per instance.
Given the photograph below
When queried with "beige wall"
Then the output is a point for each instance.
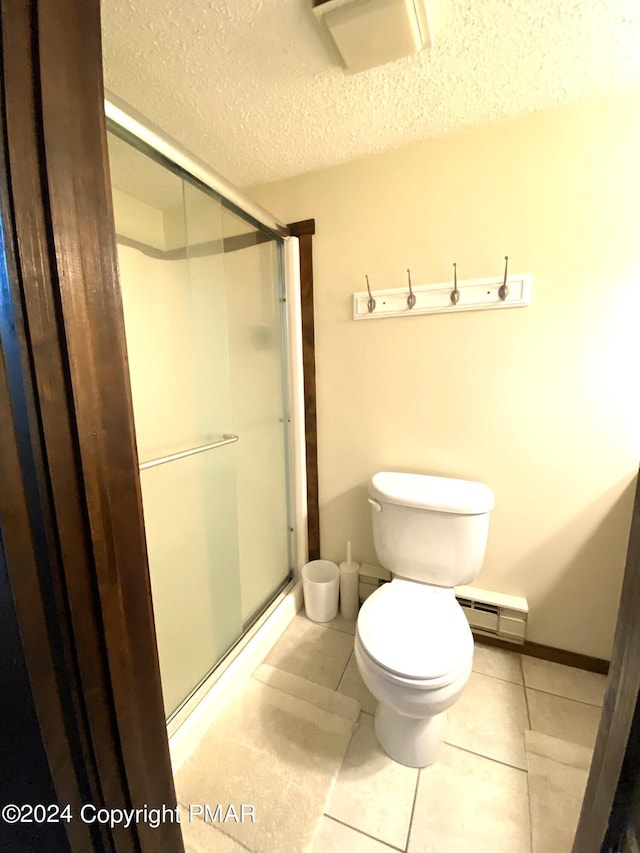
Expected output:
(541, 402)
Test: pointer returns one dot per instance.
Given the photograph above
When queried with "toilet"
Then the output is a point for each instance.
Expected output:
(413, 644)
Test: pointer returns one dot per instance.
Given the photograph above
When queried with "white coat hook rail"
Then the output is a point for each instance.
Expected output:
(505, 291)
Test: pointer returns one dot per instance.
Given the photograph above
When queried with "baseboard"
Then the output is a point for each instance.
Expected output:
(537, 650)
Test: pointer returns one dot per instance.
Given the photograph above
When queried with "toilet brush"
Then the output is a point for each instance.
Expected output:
(349, 575)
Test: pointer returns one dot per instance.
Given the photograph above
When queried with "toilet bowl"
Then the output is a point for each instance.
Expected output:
(413, 644)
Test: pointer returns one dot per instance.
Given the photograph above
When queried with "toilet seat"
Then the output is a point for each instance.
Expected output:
(415, 632)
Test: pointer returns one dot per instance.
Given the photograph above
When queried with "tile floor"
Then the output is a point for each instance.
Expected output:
(494, 788)
(476, 797)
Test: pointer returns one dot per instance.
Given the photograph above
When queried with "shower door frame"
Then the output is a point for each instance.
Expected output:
(133, 124)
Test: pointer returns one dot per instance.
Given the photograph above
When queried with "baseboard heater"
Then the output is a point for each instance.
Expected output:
(491, 613)
(494, 613)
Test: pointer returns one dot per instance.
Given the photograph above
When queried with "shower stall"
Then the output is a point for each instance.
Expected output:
(213, 341)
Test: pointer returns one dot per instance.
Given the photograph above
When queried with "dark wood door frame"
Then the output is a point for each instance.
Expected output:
(70, 508)
(620, 702)
(304, 231)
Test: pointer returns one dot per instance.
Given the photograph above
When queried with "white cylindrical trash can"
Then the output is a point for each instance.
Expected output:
(320, 585)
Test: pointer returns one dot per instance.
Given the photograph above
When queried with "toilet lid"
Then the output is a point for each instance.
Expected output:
(415, 630)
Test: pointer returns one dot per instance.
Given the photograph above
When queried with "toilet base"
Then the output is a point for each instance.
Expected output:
(409, 741)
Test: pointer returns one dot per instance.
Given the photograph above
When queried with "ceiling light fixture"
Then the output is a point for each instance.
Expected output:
(368, 33)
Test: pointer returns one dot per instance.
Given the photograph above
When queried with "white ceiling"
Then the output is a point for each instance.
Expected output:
(250, 86)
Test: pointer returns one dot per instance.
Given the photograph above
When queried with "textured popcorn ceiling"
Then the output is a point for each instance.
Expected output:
(252, 88)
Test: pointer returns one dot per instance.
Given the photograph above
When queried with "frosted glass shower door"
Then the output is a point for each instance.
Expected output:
(177, 344)
(246, 392)
(255, 323)
(202, 297)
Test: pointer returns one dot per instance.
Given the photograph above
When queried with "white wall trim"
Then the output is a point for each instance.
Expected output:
(298, 452)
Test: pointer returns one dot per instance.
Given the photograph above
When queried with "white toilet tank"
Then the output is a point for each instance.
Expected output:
(430, 529)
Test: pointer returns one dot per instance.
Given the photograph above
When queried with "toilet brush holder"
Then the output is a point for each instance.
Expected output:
(349, 594)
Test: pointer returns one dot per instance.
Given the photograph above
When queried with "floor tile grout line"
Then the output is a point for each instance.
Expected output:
(324, 625)
(530, 812)
(344, 671)
(366, 834)
(413, 809)
(498, 677)
(488, 757)
(551, 692)
(526, 697)
(524, 680)
(526, 755)
(560, 696)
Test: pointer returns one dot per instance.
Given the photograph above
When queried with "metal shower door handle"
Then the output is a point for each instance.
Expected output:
(227, 438)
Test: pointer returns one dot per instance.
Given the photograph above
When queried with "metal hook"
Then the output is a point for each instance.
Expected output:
(411, 299)
(455, 293)
(371, 302)
(503, 290)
